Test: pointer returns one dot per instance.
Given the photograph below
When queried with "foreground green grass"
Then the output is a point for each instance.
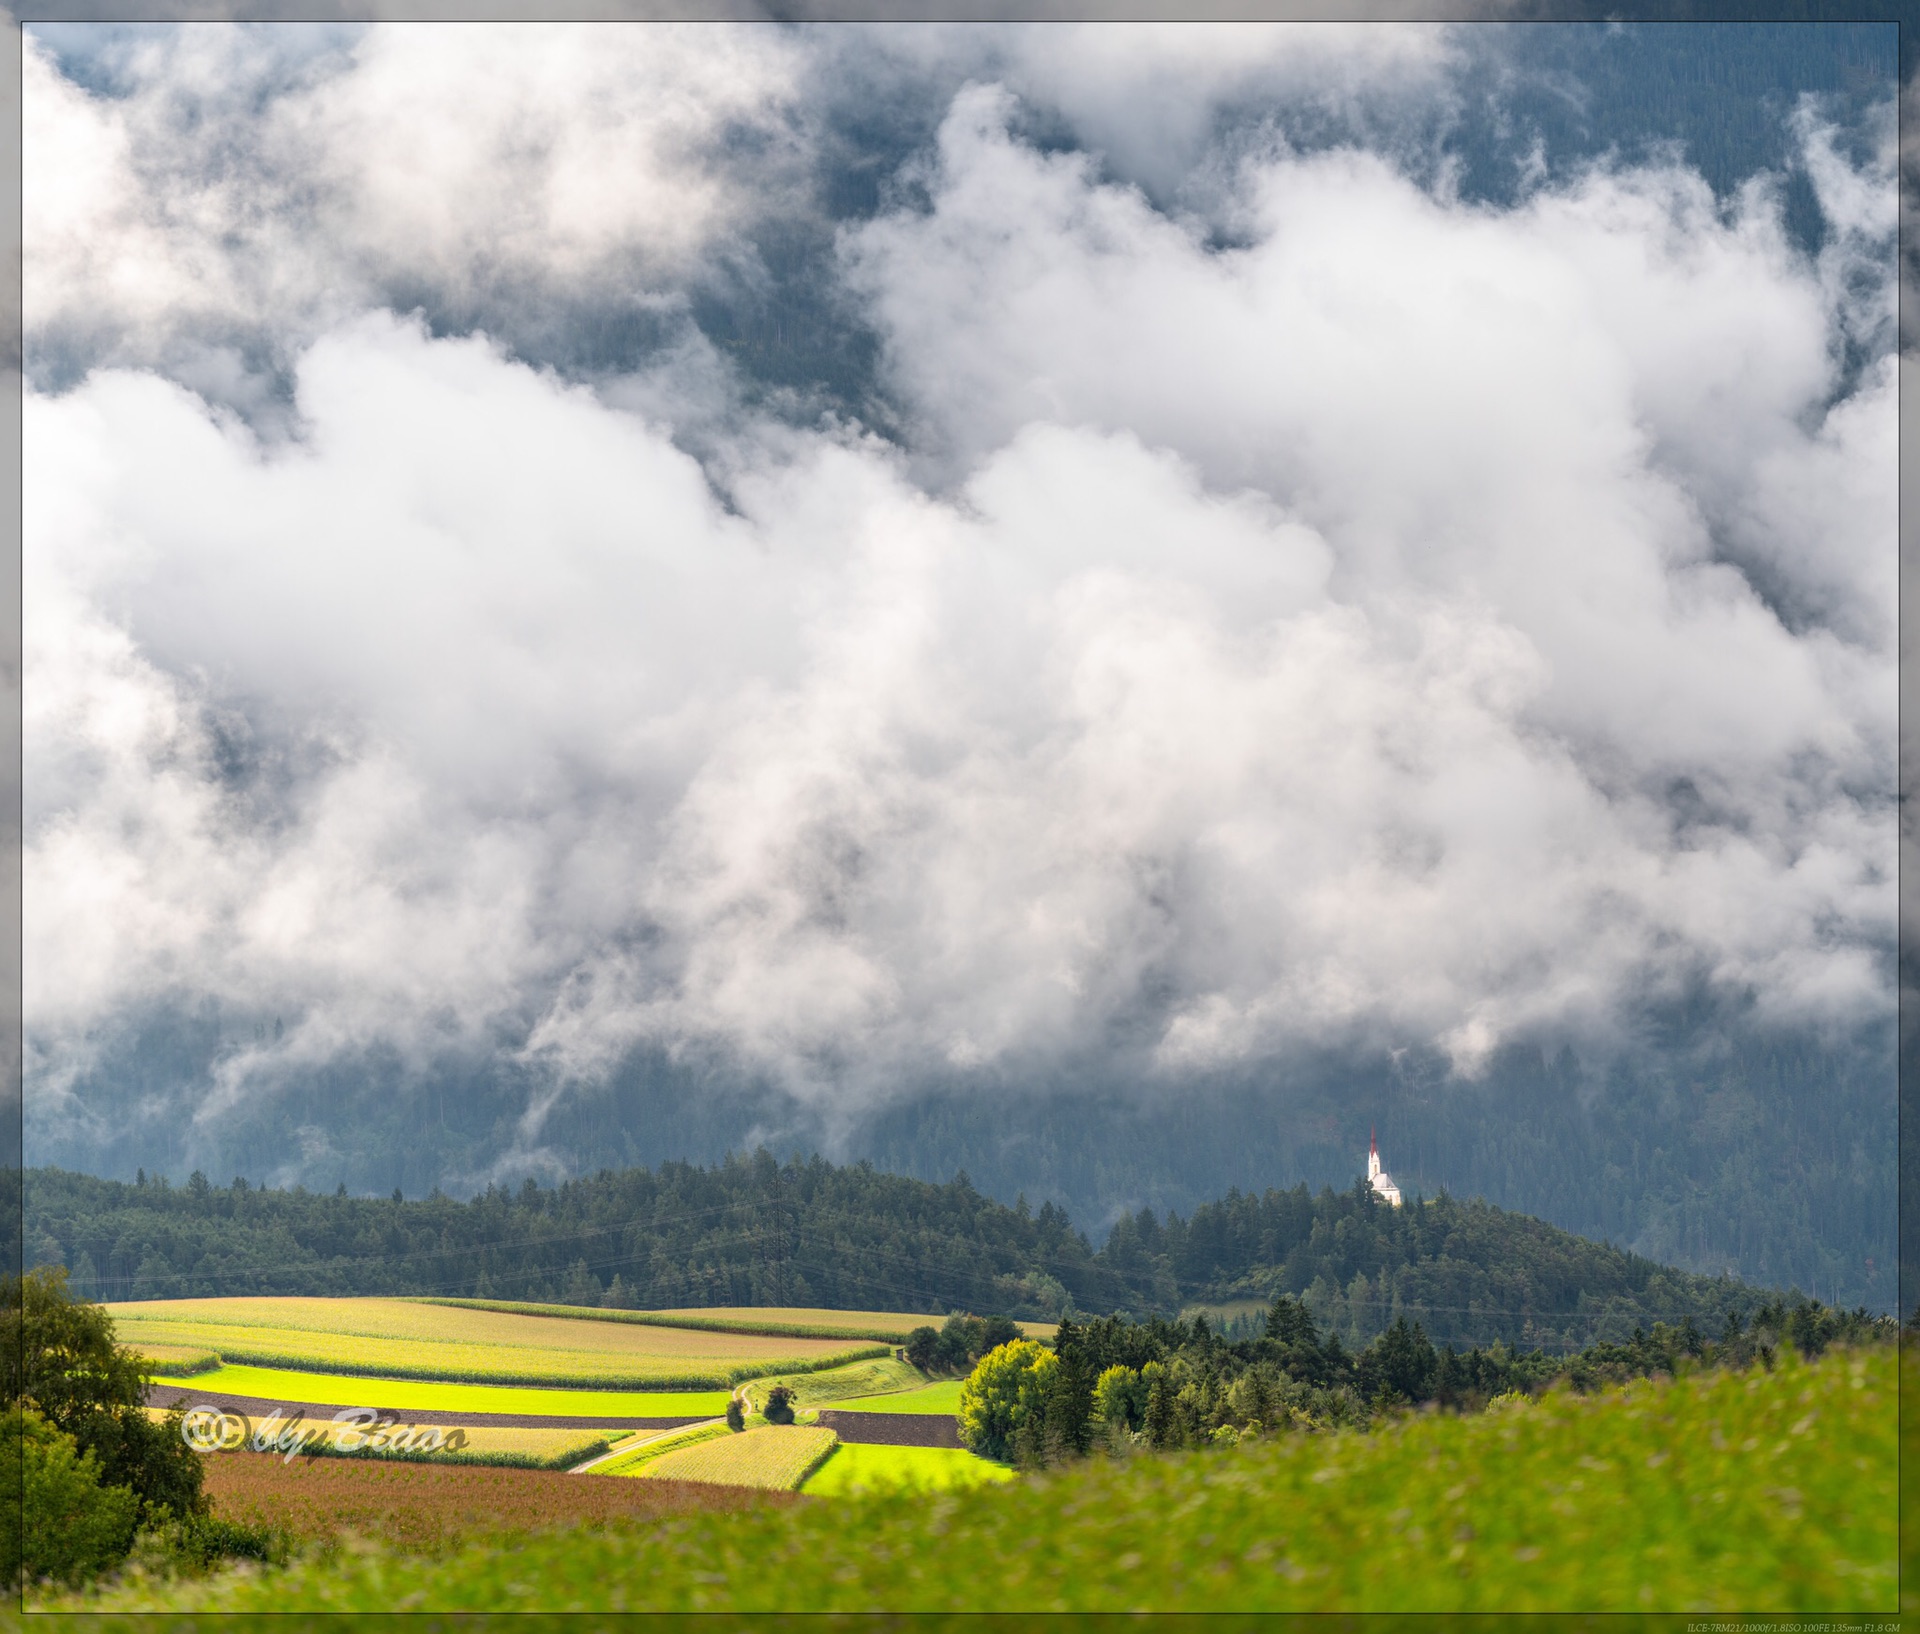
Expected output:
(861, 1468)
(1770, 1492)
(423, 1395)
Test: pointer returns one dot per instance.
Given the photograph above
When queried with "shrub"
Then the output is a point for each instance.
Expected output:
(923, 1348)
(736, 1416)
(169, 1546)
(59, 1521)
(779, 1408)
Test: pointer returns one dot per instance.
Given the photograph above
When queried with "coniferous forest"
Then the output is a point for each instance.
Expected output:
(754, 1231)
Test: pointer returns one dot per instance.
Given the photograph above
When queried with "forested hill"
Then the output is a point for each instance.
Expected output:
(752, 1232)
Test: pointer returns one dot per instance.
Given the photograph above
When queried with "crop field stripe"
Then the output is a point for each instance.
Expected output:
(776, 1457)
(562, 1458)
(299, 1386)
(663, 1380)
(632, 1459)
(556, 1370)
(654, 1319)
(543, 1330)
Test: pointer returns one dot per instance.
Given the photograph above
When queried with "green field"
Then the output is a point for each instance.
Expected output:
(942, 1399)
(413, 1339)
(858, 1468)
(773, 1458)
(439, 1396)
(1759, 1493)
(855, 1381)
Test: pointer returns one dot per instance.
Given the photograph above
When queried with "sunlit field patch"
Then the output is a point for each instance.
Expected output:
(775, 1457)
(633, 1456)
(442, 1396)
(407, 1339)
(857, 1468)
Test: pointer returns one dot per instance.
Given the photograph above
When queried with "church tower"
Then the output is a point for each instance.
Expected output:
(1377, 1177)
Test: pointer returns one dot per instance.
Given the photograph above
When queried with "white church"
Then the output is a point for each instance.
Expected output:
(1377, 1177)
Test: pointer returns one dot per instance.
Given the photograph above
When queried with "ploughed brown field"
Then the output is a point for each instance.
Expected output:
(429, 1507)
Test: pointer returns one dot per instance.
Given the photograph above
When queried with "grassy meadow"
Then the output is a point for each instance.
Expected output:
(941, 1399)
(1769, 1491)
(413, 1339)
(857, 1468)
(830, 1386)
(444, 1396)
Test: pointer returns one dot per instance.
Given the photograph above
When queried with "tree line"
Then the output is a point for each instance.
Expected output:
(1114, 1385)
(752, 1231)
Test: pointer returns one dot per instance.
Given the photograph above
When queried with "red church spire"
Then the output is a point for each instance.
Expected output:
(1373, 1141)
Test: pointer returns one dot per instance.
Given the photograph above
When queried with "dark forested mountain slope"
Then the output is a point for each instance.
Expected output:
(754, 1232)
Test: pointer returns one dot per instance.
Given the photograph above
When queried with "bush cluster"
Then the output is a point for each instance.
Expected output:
(959, 1344)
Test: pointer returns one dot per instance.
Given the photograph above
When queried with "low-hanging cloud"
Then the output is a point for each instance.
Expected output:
(1418, 621)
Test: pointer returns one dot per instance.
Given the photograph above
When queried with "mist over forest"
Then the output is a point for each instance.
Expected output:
(1109, 608)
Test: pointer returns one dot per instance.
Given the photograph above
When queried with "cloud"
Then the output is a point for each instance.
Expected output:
(238, 190)
(1419, 621)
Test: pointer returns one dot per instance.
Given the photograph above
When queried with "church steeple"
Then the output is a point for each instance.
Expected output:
(1377, 1177)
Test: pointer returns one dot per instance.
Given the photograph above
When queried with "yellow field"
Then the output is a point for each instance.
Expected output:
(775, 1457)
(404, 1339)
(895, 1325)
(302, 1385)
(561, 1448)
(635, 1454)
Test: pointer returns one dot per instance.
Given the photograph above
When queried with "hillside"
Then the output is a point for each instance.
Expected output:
(754, 1232)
